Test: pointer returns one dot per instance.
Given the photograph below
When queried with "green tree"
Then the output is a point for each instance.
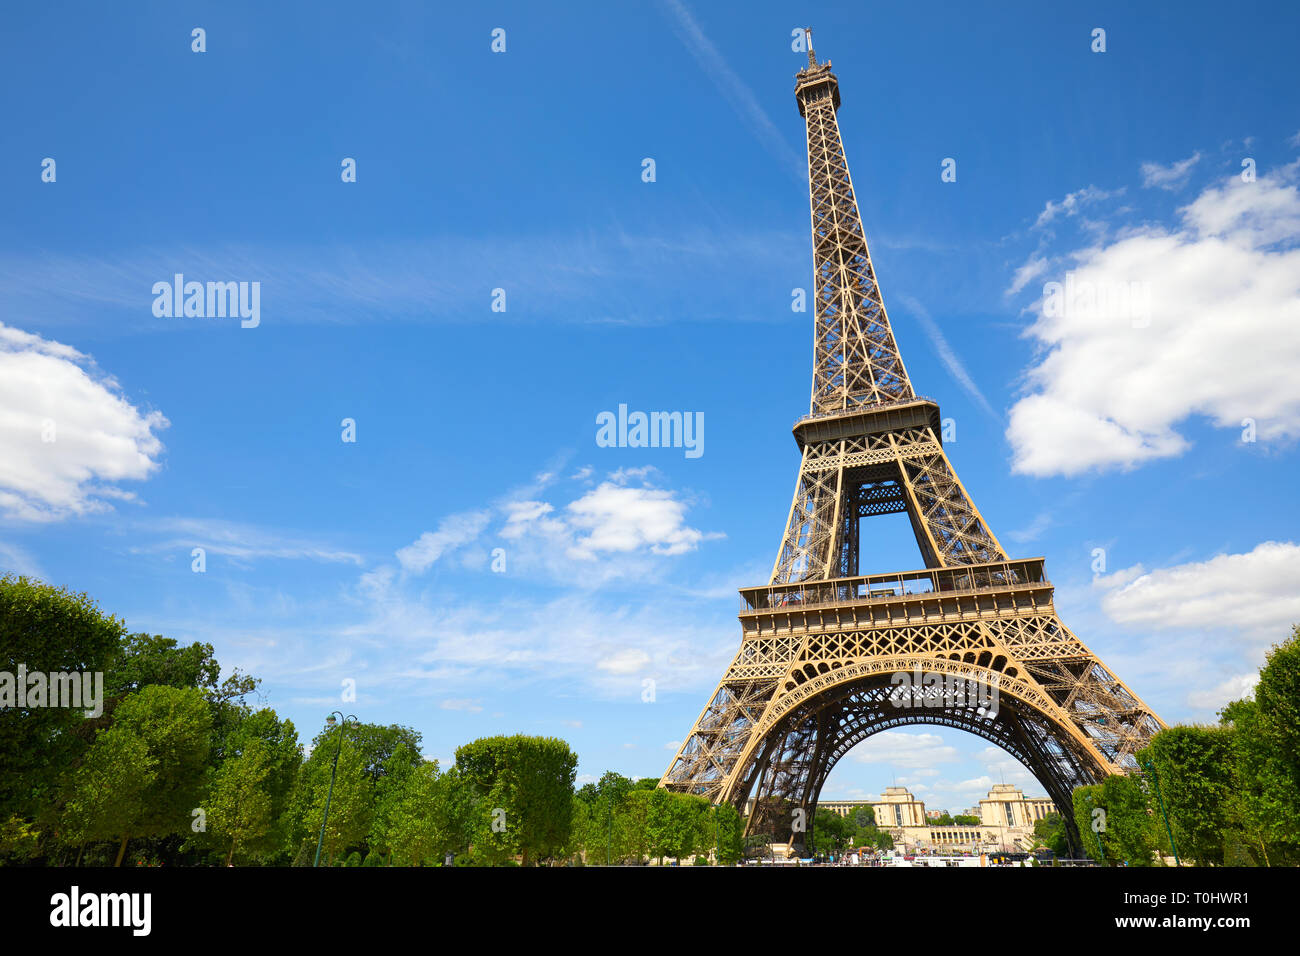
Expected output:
(162, 735)
(1116, 822)
(1265, 796)
(690, 830)
(633, 825)
(109, 793)
(730, 833)
(239, 806)
(46, 629)
(1050, 831)
(659, 823)
(1278, 696)
(377, 744)
(1261, 800)
(1194, 769)
(278, 739)
(1132, 823)
(147, 659)
(604, 822)
(831, 832)
(431, 816)
(19, 839)
(391, 788)
(1090, 817)
(525, 791)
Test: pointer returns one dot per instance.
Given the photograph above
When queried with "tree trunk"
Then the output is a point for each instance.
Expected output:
(231, 855)
(80, 850)
(121, 850)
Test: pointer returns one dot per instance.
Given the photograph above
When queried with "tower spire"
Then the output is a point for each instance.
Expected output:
(812, 57)
(856, 361)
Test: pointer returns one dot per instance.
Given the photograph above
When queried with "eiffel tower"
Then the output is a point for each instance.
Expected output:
(826, 655)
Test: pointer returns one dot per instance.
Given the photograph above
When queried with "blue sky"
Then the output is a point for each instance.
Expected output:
(1116, 427)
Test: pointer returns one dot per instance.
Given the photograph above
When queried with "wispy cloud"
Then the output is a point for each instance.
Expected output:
(603, 276)
(16, 560)
(946, 355)
(734, 89)
(453, 532)
(1033, 530)
(471, 706)
(237, 540)
(1035, 266)
(1073, 203)
(1171, 177)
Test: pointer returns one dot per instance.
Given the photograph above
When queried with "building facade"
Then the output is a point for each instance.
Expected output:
(1006, 816)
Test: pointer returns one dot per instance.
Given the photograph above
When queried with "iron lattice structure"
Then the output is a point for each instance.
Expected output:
(822, 645)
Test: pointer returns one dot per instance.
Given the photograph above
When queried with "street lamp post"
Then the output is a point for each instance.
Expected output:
(330, 722)
(716, 861)
(1155, 781)
(1100, 845)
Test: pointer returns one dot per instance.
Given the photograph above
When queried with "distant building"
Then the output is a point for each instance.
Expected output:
(843, 808)
(1006, 806)
(1006, 820)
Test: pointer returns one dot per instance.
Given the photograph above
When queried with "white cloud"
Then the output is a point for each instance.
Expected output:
(99, 437)
(1252, 594)
(1119, 578)
(629, 660)
(470, 706)
(453, 532)
(1171, 177)
(903, 749)
(616, 529)
(618, 519)
(1208, 323)
(1072, 203)
(1234, 688)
